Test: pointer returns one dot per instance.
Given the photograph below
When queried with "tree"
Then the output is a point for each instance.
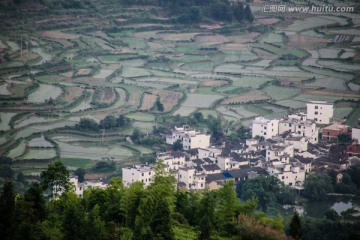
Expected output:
(159, 105)
(80, 173)
(55, 178)
(161, 223)
(354, 173)
(177, 145)
(108, 122)
(317, 185)
(123, 122)
(248, 14)
(136, 135)
(266, 189)
(88, 124)
(7, 207)
(238, 11)
(295, 226)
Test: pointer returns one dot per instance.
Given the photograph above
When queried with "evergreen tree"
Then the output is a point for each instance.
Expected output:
(248, 14)
(7, 207)
(295, 226)
(238, 11)
(161, 223)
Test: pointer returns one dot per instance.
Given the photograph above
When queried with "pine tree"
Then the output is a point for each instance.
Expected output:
(7, 206)
(248, 14)
(295, 226)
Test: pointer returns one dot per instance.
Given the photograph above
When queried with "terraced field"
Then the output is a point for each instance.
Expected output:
(115, 64)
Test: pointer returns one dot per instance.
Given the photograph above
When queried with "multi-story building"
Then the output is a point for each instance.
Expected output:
(191, 179)
(138, 173)
(290, 174)
(332, 132)
(281, 152)
(266, 128)
(320, 111)
(190, 138)
(173, 159)
(298, 126)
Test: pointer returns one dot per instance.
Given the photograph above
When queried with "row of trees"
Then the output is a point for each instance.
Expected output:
(130, 213)
(109, 122)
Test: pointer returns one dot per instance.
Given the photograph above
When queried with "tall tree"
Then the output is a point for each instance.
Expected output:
(295, 226)
(55, 178)
(7, 206)
(248, 14)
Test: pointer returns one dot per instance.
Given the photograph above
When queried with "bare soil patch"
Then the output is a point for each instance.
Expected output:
(148, 101)
(211, 27)
(306, 42)
(332, 93)
(211, 40)
(59, 35)
(67, 74)
(246, 97)
(72, 93)
(168, 98)
(178, 36)
(83, 72)
(268, 21)
(212, 83)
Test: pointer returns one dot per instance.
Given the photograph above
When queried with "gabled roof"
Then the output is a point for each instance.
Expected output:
(211, 167)
(198, 161)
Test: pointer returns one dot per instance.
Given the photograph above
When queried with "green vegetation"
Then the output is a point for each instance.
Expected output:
(157, 212)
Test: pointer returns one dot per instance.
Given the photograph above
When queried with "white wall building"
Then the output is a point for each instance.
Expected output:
(290, 174)
(266, 128)
(138, 173)
(173, 160)
(190, 179)
(190, 138)
(300, 143)
(320, 111)
(355, 134)
(299, 126)
(281, 152)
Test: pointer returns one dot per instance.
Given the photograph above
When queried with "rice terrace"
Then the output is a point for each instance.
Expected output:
(63, 67)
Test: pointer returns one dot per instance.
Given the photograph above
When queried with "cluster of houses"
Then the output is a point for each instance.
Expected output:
(286, 148)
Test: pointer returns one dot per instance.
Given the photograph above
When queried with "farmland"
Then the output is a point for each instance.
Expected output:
(54, 73)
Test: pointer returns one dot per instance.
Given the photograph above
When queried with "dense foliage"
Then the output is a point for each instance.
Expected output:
(267, 190)
(156, 212)
(109, 122)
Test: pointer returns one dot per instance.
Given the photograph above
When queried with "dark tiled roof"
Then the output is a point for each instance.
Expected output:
(177, 154)
(193, 152)
(208, 160)
(211, 167)
(216, 177)
(304, 160)
(198, 161)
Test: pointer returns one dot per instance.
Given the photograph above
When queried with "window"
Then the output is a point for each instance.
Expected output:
(149, 173)
(316, 107)
(142, 174)
(316, 113)
(282, 177)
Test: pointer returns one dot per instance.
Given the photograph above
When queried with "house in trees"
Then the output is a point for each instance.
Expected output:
(138, 173)
(332, 132)
(190, 138)
(173, 159)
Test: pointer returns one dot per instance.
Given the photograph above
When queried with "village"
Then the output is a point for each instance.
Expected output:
(288, 148)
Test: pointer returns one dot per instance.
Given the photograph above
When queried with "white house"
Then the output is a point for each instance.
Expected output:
(355, 134)
(224, 162)
(190, 138)
(280, 151)
(320, 111)
(190, 179)
(266, 128)
(138, 173)
(290, 174)
(298, 126)
(300, 143)
(173, 159)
